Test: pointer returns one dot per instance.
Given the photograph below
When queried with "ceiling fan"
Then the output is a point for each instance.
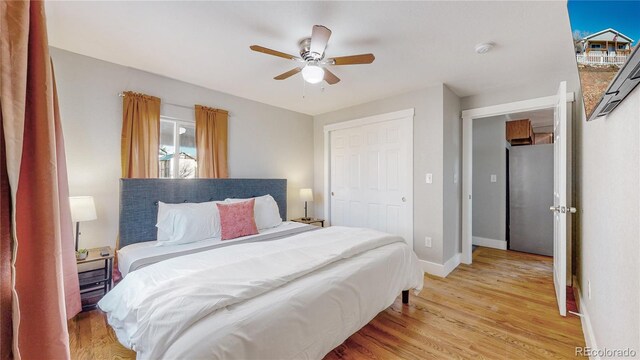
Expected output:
(313, 65)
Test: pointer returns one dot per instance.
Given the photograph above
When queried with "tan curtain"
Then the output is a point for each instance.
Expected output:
(211, 142)
(45, 288)
(140, 135)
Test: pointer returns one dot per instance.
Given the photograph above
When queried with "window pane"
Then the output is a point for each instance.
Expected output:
(188, 161)
(167, 149)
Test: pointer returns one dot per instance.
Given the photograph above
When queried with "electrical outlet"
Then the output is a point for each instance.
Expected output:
(429, 178)
(427, 241)
(589, 289)
(494, 178)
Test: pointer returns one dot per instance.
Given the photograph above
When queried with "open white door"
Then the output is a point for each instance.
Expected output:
(560, 207)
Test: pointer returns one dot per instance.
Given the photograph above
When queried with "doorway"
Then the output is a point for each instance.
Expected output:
(562, 176)
(513, 182)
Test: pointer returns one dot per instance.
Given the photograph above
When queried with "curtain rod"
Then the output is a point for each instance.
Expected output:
(178, 105)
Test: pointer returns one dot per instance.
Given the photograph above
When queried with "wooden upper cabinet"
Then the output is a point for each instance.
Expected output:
(543, 138)
(519, 132)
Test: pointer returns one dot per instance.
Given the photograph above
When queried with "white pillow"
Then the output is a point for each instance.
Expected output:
(265, 211)
(187, 222)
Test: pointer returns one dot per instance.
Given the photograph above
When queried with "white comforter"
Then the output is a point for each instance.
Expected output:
(153, 307)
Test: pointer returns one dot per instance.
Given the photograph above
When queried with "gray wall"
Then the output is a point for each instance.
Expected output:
(452, 184)
(428, 137)
(264, 141)
(489, 199)
(608, 202)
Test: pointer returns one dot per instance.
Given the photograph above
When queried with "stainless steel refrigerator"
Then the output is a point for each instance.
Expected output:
(530, 195)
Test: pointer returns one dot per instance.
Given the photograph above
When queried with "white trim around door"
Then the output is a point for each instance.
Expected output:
(404, 115)
(467, 155)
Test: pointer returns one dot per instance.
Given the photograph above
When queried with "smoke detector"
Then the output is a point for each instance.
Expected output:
(484, 48)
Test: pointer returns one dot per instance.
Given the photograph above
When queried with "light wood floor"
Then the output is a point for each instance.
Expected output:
(501, 307)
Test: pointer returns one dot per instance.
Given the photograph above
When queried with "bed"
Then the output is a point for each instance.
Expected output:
(291, 292)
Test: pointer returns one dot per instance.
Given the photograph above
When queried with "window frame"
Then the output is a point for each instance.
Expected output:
(177, 123)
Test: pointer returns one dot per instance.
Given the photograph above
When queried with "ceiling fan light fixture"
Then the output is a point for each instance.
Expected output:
(312, 55)
(313, 74)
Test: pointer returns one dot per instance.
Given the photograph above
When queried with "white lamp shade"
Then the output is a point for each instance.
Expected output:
(312, 74)
(306, 194)
(82, 208)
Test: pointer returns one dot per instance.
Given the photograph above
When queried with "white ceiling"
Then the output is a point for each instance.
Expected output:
(539, 118)
(416, 44)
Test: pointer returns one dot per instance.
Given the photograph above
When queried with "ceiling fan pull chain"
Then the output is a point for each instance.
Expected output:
(304, 89)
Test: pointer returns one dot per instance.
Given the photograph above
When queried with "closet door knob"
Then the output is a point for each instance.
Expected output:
(404, 199)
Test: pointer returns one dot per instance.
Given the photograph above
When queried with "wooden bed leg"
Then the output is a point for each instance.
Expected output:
(405, 296)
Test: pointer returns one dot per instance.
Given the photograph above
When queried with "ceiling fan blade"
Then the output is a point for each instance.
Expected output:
(353, 59)
(268, 51)
(330, 77)
(288, 73)
(319, 39)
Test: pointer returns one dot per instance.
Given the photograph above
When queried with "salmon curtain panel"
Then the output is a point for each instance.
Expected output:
(140, 135)
(211, 142)
(44, 280)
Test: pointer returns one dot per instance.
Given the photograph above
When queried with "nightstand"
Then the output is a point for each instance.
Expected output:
(95, 283)
(310, 221)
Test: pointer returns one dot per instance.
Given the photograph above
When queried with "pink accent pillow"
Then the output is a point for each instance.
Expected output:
(236, 219)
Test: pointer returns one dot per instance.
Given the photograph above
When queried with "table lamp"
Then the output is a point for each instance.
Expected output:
(82, 209)
(306, 195)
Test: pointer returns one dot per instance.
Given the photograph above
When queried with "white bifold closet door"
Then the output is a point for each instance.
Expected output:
(370, 177)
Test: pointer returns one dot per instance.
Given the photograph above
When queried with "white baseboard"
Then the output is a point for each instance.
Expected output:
(441, 270)
(587, 329)
(491, 243)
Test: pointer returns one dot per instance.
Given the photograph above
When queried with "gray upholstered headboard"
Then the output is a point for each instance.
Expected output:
(139, 199)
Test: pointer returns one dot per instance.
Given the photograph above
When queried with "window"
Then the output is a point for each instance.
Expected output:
(596, 46)
(622, 47)
(177, 156)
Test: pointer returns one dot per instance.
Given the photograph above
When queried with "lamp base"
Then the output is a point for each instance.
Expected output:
(81, 255)
(305, 217)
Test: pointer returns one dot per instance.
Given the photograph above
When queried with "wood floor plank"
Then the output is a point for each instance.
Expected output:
(501, 307)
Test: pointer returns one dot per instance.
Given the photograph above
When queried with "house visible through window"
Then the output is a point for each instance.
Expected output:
(177, 156)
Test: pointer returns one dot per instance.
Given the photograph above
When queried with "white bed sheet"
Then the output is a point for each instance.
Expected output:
(148, 249)
(306, 318)
(271, 317)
